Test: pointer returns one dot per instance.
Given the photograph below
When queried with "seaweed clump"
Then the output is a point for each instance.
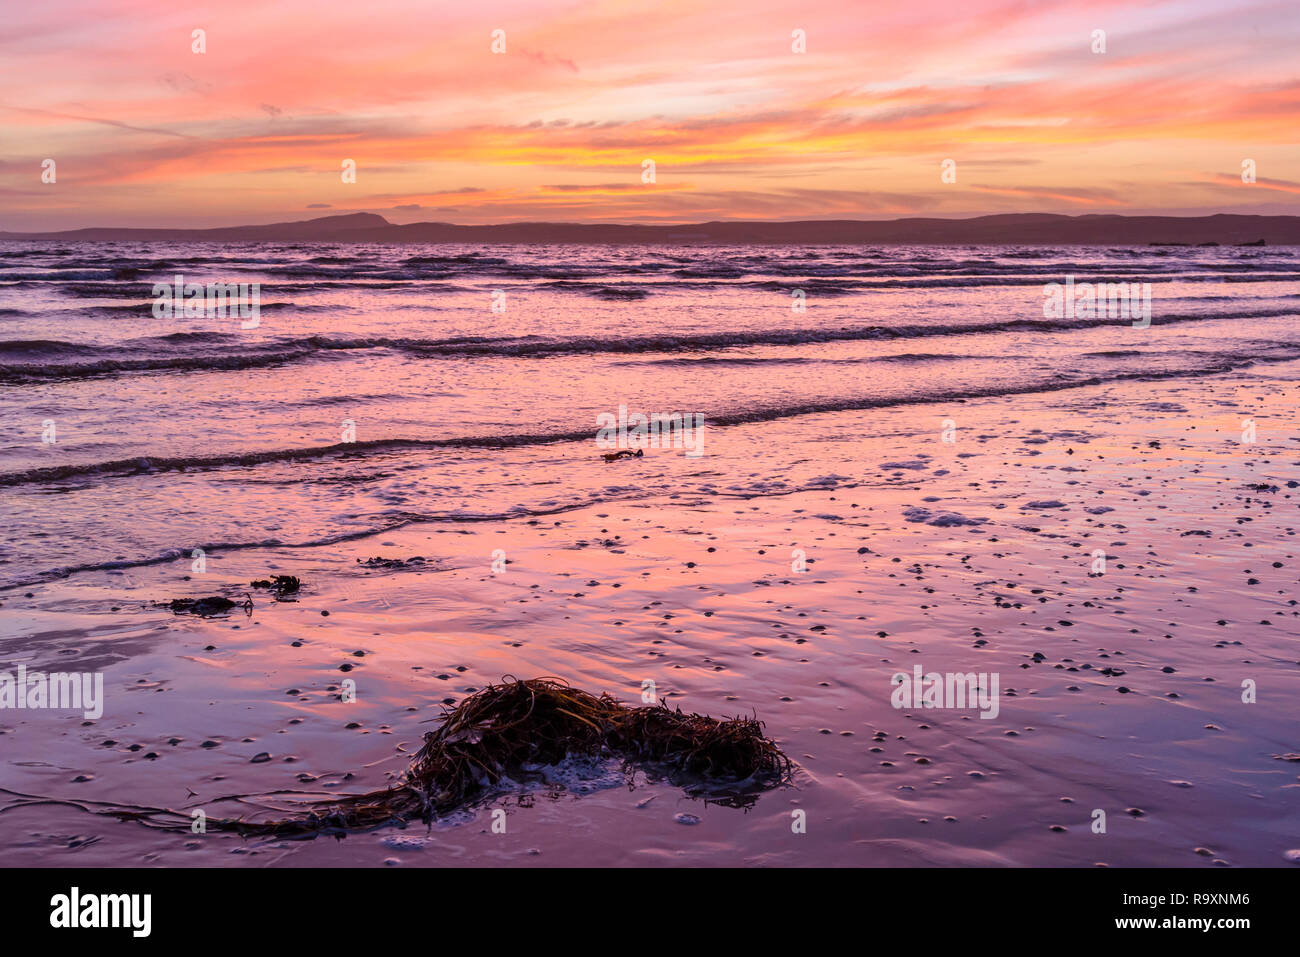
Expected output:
(543, 720)
(207, 607)
(391, 563)
(513, 727)
(623, 454)
(518, 724)
(279, 585)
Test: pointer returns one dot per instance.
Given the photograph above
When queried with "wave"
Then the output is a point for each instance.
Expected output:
(123, 265)
(609, 293)
(150, 465)
(17, 373)
(146, 308)
(278, 351)
(45, 348)
(833, 280)
(399, 521)
(694, 361)
(117, 290)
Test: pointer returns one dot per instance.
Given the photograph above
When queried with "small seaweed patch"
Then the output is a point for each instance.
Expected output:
(623, 454)
(279, 585)
(206, 607)
(503, 730)
(379, 562)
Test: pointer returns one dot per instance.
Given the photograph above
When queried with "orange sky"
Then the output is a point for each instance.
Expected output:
(144, 131)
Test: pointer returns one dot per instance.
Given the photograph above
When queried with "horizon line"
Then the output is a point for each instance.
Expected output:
(384, 221)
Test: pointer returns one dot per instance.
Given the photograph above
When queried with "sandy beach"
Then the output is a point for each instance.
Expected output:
(1120, 691)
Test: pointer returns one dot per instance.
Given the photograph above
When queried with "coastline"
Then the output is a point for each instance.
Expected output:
(810, 662)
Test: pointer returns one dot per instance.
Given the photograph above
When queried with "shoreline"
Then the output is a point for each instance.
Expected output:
(811, 661)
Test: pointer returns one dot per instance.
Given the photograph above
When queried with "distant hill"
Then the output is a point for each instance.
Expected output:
(333, 228)
(1043, 228)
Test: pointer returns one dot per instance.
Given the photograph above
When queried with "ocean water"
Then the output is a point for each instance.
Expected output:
(472, 376)
(1100, 533)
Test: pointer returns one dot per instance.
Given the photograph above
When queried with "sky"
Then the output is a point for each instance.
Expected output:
(740, 125)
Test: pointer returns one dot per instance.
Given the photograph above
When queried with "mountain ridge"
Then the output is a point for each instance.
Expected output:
(1009, 228)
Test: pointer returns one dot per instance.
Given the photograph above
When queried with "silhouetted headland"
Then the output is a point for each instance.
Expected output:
(1029, 228)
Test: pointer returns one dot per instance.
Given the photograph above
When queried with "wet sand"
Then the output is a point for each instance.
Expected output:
(698, 595)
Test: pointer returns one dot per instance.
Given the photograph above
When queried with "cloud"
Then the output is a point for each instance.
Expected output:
(545, 59)
(101, 121)
(1261, 182)
(558, 127)
(589, 188)
(183, 82)
(1082, 197)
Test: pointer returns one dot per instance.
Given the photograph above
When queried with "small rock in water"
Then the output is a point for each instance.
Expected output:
(684, 818)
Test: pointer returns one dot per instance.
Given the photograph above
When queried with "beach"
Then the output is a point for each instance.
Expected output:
(920, 470)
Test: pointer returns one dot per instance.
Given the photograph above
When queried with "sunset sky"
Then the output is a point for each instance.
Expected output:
(146, 132)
